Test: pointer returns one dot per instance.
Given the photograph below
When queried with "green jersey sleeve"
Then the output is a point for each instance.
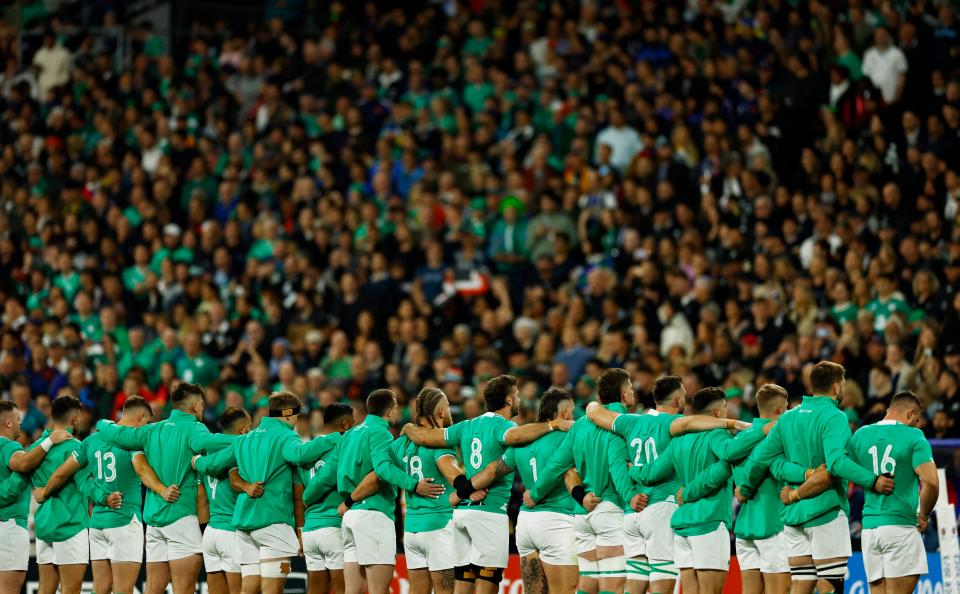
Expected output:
(623, 424)
(836, 436)
(503, 427)
(769, 450)
(200, 439)
(453, 433)
(708, 482)
(297, 452)
(657, 471)
(12, 488)
(558, 465)
(921, 451)
(619, 460)
(323, 481)
(739, 447)
(383, 461)
(510, 458)
(126, 438)
(219, 463)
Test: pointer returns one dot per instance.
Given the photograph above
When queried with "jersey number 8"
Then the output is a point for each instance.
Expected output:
(476, 453)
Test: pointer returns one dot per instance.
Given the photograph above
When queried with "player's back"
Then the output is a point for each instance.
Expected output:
(759, 516)
(691, 455)
(322, 513)
(260, 458)
(646, 436)
(595, 451)
(482, 440)
(112, 468)
(64, 514)
(19, 508)
(424, 514)
(529, 459)
(221, 499)
(889, 447)
(806, 432)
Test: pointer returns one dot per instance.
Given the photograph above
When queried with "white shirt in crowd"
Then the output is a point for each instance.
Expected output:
(54, 65)
(885, 67)
(624, 143)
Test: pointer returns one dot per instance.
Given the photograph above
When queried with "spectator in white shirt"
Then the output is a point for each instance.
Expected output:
(623, 140)
(885, 65)
(53, 61)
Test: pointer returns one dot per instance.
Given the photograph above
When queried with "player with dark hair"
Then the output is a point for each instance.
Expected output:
(893, 553)
(173, 541)
(648, 537)
(481, 528)
(15, 497)
(116, 529)
(815, 433)
(317, 516)
(220, 560)
(60, 522)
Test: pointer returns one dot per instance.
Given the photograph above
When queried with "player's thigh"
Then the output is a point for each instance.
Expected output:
(751, 581)
(125, 543)
(378, 578)
(710, 581)
(183, 539)
(11, 581)
(14, 549)
(534, 575)
(102, 576)
(555, 540)
(420, 582)
(711, 551)
(373, 537)
(606, 521)
(830, 541)
(71, 577)
(560, 578)
(584, 540)
(216, 582)
(323, 549)
(489, 538)
(773, 554)
(416, 551)
(125, 576)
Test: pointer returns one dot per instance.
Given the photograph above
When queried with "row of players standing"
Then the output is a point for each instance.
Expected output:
(572, 535)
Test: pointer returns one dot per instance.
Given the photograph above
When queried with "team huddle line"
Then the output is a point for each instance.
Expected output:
(614, 501)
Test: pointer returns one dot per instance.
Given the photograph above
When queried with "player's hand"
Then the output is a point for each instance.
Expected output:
(170, 494)
(812, 471)
(342, 509)
(427, 488)
(478, 496)
(884, 485)
(787, 497)
(679, 496)
(740, 496)
(405, 430)
(590, 502)
(115, 500)
(563, 425)
(528, 500)
(639, 502)
(39, 495)
(254, 490)
(739, 426)
(922, 523)
(59, 436)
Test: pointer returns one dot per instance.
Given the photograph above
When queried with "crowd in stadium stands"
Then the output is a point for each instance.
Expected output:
(440, 193)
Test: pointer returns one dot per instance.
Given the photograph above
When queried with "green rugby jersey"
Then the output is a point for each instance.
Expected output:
(895, 448)
(423, 513)
(600, 458)
(265, 455)
(319, 480)
(365, 448)
(481, 441)
(112, 469)
(221, 498)
(646, 436)
(16, 505)
(689, 456)
(64, 514)
(528, 459)
(169, 445)
(814, 433)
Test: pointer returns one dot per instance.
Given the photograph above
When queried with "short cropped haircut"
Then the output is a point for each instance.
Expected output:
(665, 386)
(498, 390)
(184, 392)
(232, 416)
(550, 403)
(336, 411)
(703, 398)
(283, 399)
(823, 375)
(380, 401)
(63, 407)
(905, 399)
(608, 388)
(136, 402)
(770, 392)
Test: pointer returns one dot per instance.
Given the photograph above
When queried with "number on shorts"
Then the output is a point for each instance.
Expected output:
(106, 466)
(883, 465)
(533, 466)
(476, 453)
(648, 449)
